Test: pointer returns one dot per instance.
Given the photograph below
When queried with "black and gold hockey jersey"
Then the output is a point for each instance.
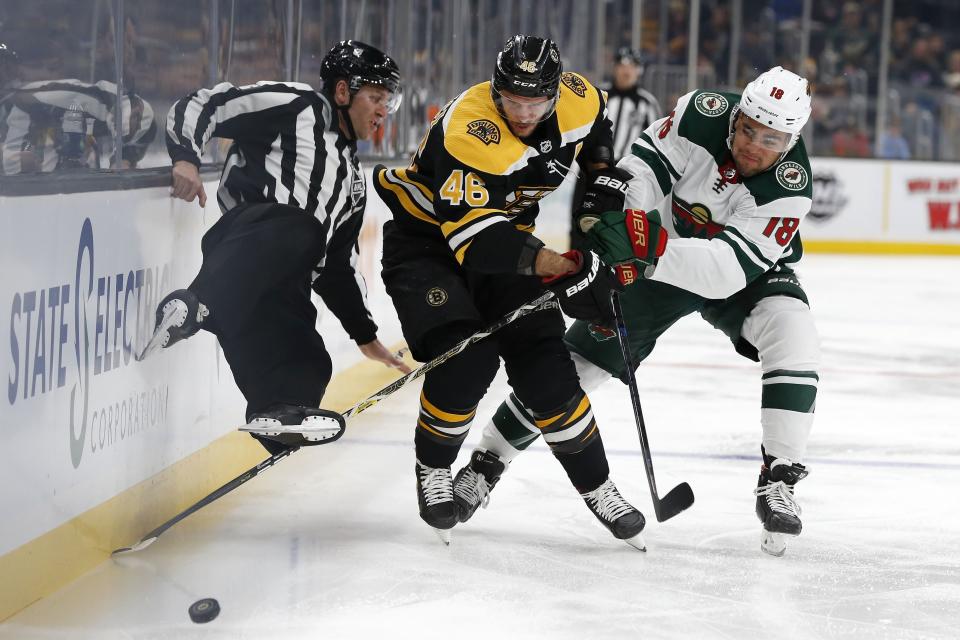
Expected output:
(476, 185)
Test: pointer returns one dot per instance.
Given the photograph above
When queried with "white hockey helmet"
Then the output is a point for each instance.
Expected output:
(778, 99)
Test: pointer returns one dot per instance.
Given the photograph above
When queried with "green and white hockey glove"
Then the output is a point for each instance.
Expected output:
(626, 237)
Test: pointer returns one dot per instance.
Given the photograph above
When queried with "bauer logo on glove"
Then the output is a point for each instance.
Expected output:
(584, 292)
(628, 236)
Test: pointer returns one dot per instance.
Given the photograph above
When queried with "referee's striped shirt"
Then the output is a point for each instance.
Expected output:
(287, 148)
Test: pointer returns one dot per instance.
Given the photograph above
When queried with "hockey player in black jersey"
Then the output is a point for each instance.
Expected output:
(292, 195)
(460, 252)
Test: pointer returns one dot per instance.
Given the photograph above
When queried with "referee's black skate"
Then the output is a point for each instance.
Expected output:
(293, 425)
(619, 516)
(473, 484)
(435, 497)
(179, 316)
(776, 506)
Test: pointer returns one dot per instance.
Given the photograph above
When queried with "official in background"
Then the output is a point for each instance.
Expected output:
(292, 194)
(631, 110)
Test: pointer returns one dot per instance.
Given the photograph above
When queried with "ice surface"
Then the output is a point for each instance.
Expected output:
(328, 544)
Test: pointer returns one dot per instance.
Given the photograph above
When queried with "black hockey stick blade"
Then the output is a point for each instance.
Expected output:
(250, 473)
(678, 499)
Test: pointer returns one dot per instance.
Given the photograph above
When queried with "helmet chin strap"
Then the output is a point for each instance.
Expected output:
(344, 111)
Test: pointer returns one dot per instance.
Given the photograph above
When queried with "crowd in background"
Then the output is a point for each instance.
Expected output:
(166, 54)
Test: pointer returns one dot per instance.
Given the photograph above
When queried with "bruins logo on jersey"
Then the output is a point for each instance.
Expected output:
(522, 197)
(488, 132)
(574, 83)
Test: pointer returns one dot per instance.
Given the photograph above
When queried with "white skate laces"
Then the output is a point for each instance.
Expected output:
(779, 497)
(473, 488)
(436, 483)
(607, 502)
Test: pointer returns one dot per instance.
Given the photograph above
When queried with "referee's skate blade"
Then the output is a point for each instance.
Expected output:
(637, 542)
(444, 535)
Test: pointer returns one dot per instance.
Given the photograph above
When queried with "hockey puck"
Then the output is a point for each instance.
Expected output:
(204, 610)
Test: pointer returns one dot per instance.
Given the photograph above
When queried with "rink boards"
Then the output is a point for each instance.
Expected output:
(100, 448)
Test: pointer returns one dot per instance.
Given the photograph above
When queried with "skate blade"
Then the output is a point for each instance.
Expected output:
(443, 534)
(774, 544)
(313, 428)
(637, 542)
(155, 344)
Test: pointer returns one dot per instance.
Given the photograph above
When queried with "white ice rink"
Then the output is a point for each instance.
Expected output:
(328, 544)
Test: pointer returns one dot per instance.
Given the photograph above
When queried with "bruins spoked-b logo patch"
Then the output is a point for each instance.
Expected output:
(487, 131)
(711, 104)
(792, 176)
(436, 297)
(574, 83)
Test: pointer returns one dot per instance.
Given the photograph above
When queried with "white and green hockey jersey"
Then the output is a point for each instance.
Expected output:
(725, 230)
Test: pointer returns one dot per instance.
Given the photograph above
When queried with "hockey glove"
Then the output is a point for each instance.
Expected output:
(606, 190)
(584, 293)
(628, 236)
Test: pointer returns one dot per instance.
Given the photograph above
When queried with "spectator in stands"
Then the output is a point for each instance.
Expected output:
(851, 141)
(892, 144)
(853, 41)
(951, 77)
(921, 69)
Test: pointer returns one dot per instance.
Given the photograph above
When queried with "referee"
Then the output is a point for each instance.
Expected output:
(292, 195)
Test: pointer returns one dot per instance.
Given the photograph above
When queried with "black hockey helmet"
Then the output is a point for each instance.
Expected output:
(360, 64)
(628, 55)
(530, 67)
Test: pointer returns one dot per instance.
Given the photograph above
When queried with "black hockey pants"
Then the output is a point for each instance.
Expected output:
(255, 279)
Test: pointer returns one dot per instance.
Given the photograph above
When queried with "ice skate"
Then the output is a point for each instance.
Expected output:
(619, 516)
(776, 506)
(179, 316)
(435, 497)
(296, 425)
(474, 482)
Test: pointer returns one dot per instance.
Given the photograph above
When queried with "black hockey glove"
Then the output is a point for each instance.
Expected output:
(584, 293)
(606, 191)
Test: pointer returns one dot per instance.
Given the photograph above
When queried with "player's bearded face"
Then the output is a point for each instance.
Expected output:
(756, 147)
(524, 114)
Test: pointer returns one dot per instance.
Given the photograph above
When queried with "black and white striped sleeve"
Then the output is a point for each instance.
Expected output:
(340, 284)
(250, 113)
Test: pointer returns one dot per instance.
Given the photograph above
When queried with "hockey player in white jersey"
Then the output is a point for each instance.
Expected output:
(733, 178)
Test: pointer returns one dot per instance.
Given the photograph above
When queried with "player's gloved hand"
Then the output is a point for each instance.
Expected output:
(606, 191)
(628, 236)
(584, 293)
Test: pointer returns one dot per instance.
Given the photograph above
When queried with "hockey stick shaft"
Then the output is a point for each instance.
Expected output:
(681, 496)
(543, 302)
(249, 474)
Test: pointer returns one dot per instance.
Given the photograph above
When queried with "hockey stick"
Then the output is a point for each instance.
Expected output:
(543, 302)
(681, 496)
(249, 474)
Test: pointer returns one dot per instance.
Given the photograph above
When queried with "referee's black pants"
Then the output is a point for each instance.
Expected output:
(255, 280)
